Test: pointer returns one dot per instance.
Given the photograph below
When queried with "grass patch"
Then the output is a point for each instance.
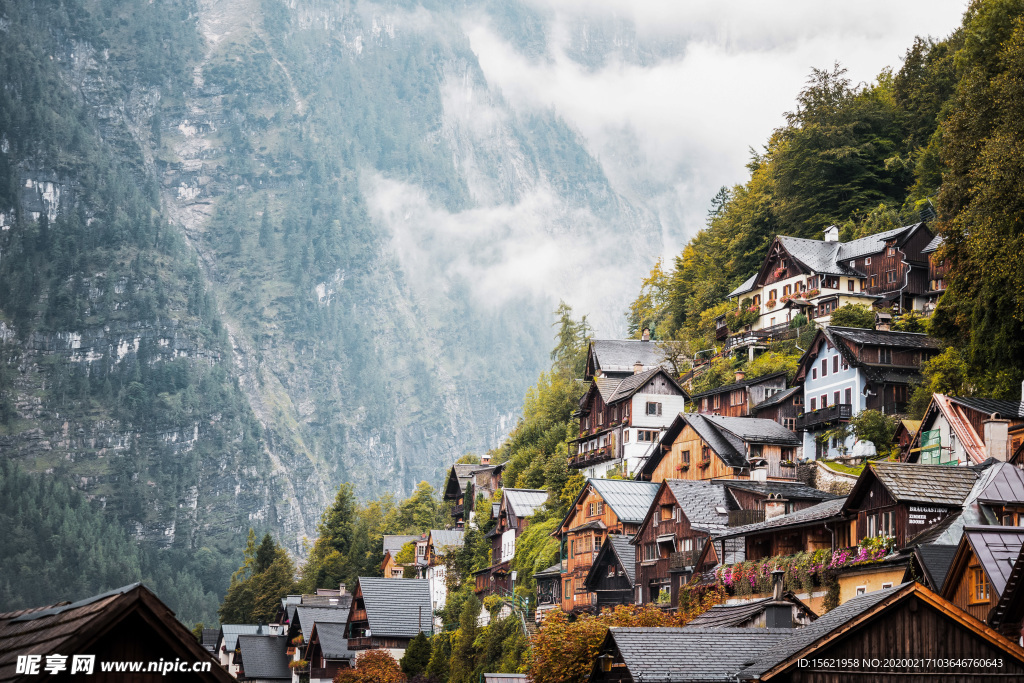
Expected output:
(855, 470)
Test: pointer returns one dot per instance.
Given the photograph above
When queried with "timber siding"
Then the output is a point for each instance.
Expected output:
(665, 519)
(703, 464)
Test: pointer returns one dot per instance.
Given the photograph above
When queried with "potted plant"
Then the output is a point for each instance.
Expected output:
(779, 272)
(788, 463)
(771, 303)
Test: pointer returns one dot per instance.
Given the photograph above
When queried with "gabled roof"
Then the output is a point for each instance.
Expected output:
(443, 539)
(1008, 612)
(1005, 485)
(996, 549)
(934, 245)
(459, 476)
(308, 616)
(263, 657)
(935, 560)
(620, 355)
(397, 608)
(701, 502)
(741, 384)
(745, 287)
(232, 631)
(524, 502)
(553, 570)
(992, 406)
(777, 398)
(724, 444)
(615, 389)
(729, 616)
(830, 510)
(77, 627)
(755, 430)
(872, 244)
(931, 484)
(888, 338)
(628, 499)
(790, 490)
(624, 554)
(333, 643)
(816, 256)
(392, 544)
(210, 636)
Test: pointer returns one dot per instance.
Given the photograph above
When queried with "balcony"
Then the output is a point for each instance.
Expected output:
(762, 336)
(682, 559)
(824, 416)
(745, 517)
(602, 454)
(458, 510)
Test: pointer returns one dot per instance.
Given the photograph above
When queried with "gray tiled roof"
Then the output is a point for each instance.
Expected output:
(626, 552)
(691, 653)
(264, 657)
(630, 385)
(210, 636)
(725, 445)
(802, 637)
(747, 285)
(700, 501)
(446, 538)
(232, 631)
(1004, 409)
(729, 615)
(813, 515)
(397, 608)
(524, 502)
(739, 385)
(937, 484)
(333, 642)
(755, 430)
(307, 616)
(629, 500)
(872, 244)
(996, 548)
(934, 245)
(553, 570)
(776, 399)
(620, 355)
(789, 490)
(903, 340)
(393, 544)
(936, 559)
(816, 255)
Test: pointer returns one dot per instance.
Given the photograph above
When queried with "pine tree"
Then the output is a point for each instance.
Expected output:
(417, 656)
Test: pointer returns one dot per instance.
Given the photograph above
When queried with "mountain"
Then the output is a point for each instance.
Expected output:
(252, 249)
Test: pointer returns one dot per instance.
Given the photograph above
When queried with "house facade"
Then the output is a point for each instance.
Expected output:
(740, 398)
(388, 613)
(959, 431)
(982, 565)
(612, 576)
(517, 505)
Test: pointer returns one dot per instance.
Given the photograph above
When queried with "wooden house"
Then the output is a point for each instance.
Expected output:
(751, 614)
(603, 507)
(956, 431)
(847, 370)
(438, 544)
(872, 637)
(549, 590)
(621, 418)
(388, 613)
(328, 653)
(782, 407)
(905, 433)
(227, 643)
(299, 629)
(983, 562)
(619, 358)
(393, 545)
(126, 624)
(612, 576)
(459, 490)
(938, 272)
(517, 505)
(740, 398)
(262, 658)
(701, 447)
(818, 527)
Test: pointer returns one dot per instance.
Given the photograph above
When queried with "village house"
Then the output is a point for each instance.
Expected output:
(907, 621)
(430, 554)
(299, 629)
(740, 398)
(388, 613)
(612, 576)
(847, 370)
(227, 642)
(126, 624)
(392, 546)
(327, 652)
(981, 567)
(514, 511)
(460, 491)
(701, 447)
(262, 658)
(621, 419)
(549, 590)
(956, 431)
(603, 507)
(782, 407)
(938, 270)
(618, 358)
(815, 277)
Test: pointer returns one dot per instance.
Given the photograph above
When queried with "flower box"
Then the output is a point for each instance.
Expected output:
(771, 303)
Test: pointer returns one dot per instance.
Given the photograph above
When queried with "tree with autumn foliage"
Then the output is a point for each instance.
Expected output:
(564, 651)
(373, 666)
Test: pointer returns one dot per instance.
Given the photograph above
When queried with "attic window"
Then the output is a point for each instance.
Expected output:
(867, 261)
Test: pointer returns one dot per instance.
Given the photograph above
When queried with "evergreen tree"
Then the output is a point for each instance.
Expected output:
(417, 656)
(464, 651)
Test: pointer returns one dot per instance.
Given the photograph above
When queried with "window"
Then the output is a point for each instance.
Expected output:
(861, 590)
(824, 400)
(650, 552)
(814, 404)
(595, 509)
(771, 295)
(798, 400)
(890, 276)
(737, 397)
(600, 417)
(830, 282)
(885, 355)
(867, 261)
(887, 585)
(686, 458)
(789, 423)
(705, 455)
(666, 512)
(848, 397)
(625, 436)
(757, 299)
(787, 290)
(568, 588)
(979, 590)
(890, 251)
(653, 408)
(835, 363)
(882, 523)
(625, 411)
(716, 401)
(849, 285)
(835, 398)
(824, 367)
(874, 281)
(814, 373)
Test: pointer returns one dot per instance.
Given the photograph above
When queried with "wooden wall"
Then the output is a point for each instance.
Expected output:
(578, 564)
(670, 466)
(679, 526)
(962, 597)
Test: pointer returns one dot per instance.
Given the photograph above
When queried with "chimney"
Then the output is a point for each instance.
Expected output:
(758, 474)
(646, 336)
(341, 589)
(485, 459)
(774, 507)
(740, 375)
(883, 320)
(778, 613)
(638, 367)
(997, 438)
(259, 628)
(832, 233)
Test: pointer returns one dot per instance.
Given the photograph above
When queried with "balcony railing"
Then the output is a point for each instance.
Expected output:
(766, 334)
(822, 416)
(593, 457)
(745, 517)
(684, 558)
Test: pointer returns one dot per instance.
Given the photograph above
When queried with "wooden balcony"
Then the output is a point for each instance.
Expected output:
(684, 558)
(824, 416)
(598, 455)
(762, 336)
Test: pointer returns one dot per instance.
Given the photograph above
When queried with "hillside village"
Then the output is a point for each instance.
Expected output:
(753, 512)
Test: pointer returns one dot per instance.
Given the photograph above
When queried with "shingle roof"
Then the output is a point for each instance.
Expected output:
(813, 515)
(725, 445)
(747, 285)
(397, 608)
(937, 484)
(232, 631)
(738, 385)
(626, 552)
(629, 500)
(210, 636)
(691, 653)
(553, 570)
(802, 637)
(729, 615)
(755, 430)
(934, 245)
(333, 642)
(996, 548)
(264, 657)
(393, 544)
(524, 502)
(1003, 409)
(905, 340)
(308, 616)
(443, 539)
(776, 399)
(787, 489)
(936, 559)
(817, 255)
(620, 355)
(872, 244)
(700, 502)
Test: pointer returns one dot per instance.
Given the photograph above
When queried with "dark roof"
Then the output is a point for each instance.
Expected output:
(553, 570)
(934, 245)
(1002, 409)
(739, 385)
(725, 445)
(755, 430)
(628, 499)
(524, 502)
(393, 544)
(745, 287)
(817, 255)
(232, 631)
(691, 653)
(996, 548)
(800, 638)
(776, 399)
(397, 608)
(729, 615)
(701, 502)
(787, 489)
(1011, 602)
(935, 560)
(937, 484)
(210, 636)
(333, 643)
(949, 528)
(872, 244)
(816, 514)
(595, 524)
(308, 616)
(626, 552)
(1006, 486)
(620, 355)
(904, 340)
(264, 657)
